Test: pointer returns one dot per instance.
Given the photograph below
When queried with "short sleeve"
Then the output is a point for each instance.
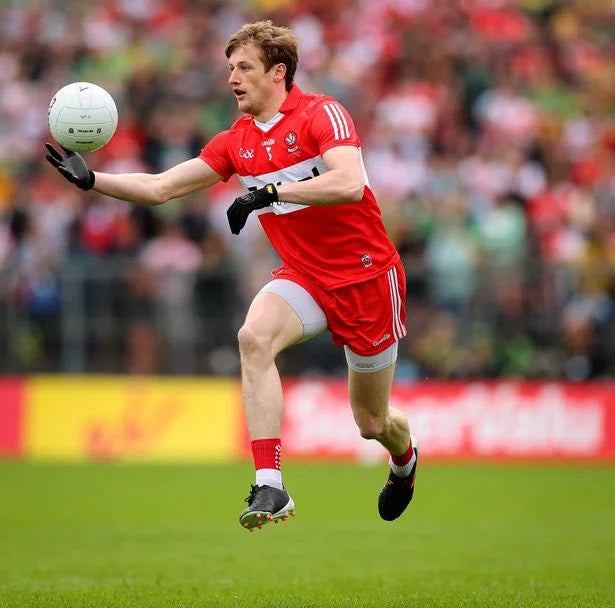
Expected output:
(216, 156)
(332, 126)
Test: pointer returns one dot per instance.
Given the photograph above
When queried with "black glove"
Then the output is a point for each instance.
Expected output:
(72, 166)
(242, 206)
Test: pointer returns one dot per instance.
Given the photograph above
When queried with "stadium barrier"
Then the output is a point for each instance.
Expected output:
(171, 419)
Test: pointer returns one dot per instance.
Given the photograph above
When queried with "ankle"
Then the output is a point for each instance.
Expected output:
(269, 477)
(402, 464)
(267, 457)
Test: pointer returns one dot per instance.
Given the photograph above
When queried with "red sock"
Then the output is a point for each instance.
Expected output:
(405, 458)
(267, 453)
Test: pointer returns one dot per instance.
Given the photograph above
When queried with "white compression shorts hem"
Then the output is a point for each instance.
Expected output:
(373, 363)
(306, 308)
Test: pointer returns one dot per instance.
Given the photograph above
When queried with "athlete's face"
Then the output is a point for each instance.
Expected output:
(254, 89)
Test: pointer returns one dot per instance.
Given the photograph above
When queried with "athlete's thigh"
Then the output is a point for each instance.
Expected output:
(303, 303)
(286, 313)
(369, 392)
(270, 317)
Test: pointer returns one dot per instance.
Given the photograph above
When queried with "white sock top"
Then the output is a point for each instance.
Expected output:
(269, 477)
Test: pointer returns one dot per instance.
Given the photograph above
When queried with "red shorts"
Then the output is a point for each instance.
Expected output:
(367, 317)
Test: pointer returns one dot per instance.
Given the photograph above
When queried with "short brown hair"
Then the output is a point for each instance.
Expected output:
(277, 45)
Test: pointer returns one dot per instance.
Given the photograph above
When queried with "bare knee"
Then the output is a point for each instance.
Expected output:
(372, 427)
(254, 345)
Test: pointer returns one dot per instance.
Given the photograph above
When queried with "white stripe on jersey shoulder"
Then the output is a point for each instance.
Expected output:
(337, 110)
(338, 120)
(306, 169)
(334, 124)
(272, 122)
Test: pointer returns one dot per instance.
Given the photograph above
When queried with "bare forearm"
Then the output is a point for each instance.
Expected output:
(155, 189)
(141, 188)
(331, 188)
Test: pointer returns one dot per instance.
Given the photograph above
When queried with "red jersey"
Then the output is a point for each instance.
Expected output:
(332, 245)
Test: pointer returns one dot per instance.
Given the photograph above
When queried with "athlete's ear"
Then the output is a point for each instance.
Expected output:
(279, 72)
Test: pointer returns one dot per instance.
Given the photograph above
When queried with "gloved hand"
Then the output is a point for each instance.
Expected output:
(72, 166)
(242, 206)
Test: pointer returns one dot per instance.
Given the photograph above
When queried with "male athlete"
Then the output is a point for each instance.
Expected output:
(299, 156)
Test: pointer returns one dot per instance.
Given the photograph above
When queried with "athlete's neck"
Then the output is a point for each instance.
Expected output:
(273, 107)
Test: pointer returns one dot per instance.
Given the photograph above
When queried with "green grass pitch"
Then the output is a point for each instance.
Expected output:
(495, 535)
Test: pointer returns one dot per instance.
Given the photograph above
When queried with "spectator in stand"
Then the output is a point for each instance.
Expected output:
(513, 103)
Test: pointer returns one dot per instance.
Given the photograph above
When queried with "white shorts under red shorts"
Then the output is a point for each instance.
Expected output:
(368, 317)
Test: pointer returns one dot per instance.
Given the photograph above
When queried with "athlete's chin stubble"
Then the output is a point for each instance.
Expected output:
(246, 108)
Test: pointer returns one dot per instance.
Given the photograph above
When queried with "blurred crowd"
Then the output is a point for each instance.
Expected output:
(488, 131)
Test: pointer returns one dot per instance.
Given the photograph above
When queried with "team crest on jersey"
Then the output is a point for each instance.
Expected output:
(367, 260)
(291, 139)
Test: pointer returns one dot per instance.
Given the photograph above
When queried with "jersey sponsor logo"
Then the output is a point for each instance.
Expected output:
(246, 153)
(302, 171)
(267, 144)
(338, 121)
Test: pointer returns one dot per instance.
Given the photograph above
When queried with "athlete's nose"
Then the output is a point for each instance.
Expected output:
(232, 77)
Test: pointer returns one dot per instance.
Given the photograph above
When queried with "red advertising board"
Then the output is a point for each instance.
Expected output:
(45, 417)
(11, 410)
(460, 420)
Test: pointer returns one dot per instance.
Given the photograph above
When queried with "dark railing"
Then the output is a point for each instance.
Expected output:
(103, 316)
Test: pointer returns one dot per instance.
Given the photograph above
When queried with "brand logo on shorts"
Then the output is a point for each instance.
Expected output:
(383, 339)
(367, 261)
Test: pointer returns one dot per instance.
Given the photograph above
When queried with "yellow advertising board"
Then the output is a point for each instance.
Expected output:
(135, 419)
